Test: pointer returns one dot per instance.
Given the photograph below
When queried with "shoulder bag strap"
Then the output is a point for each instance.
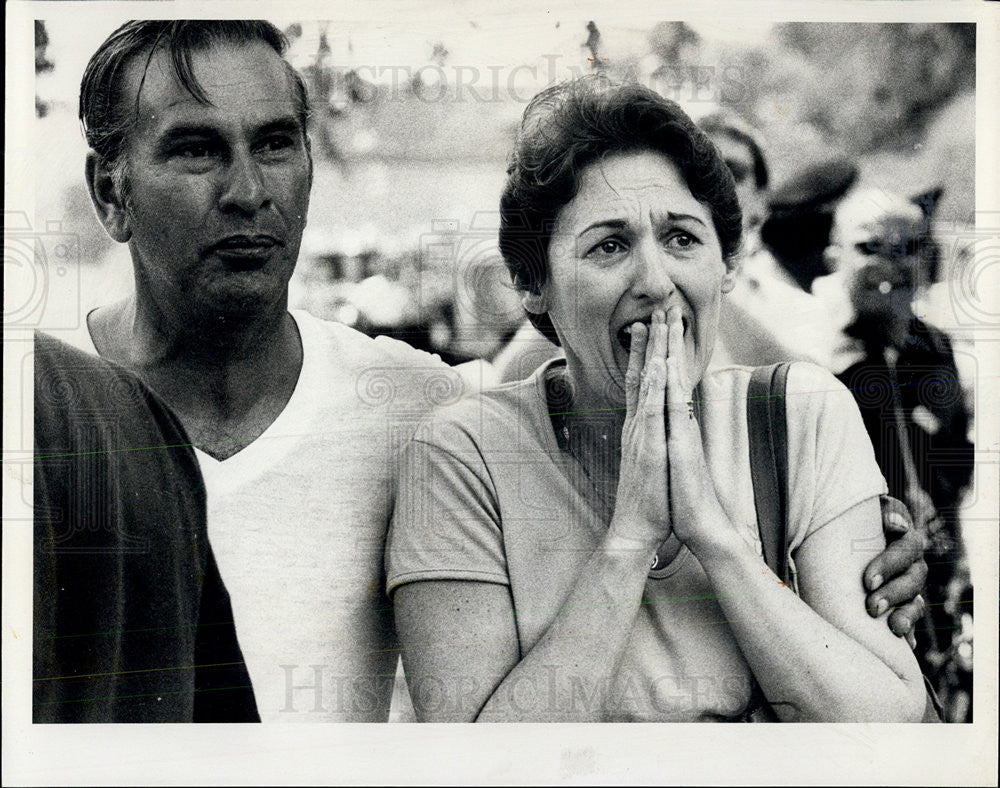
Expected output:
(768, 433)
(769, 462)
(769, 472)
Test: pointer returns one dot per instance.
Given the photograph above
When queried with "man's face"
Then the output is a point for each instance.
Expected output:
(217, 193)
(876, 245)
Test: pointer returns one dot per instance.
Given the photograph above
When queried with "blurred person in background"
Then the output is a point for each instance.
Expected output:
(742, 151)
(832, 280)
(903, 374)
(772, 315)
(132, 622)
(200, 162)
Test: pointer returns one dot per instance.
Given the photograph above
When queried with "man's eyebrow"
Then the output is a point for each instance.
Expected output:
(189, 130)
(288, 124)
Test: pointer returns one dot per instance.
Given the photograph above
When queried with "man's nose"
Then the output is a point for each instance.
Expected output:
(244, 189)
(651, 278)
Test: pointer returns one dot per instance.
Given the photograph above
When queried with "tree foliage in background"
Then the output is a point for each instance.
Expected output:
(855, 87)
(878, 85)
(42, 63)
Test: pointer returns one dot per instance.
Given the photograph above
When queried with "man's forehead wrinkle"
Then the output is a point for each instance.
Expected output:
(143, 101)
(204, 78)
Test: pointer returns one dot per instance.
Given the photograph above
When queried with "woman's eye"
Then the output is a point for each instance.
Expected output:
(608, 246)
(681, 240)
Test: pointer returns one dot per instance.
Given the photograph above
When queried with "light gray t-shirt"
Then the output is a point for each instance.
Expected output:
(487, 495)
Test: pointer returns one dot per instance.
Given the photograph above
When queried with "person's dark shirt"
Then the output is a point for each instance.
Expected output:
(131, 620)
(927, 378)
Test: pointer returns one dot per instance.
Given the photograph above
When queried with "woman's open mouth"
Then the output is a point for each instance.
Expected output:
(624, 334)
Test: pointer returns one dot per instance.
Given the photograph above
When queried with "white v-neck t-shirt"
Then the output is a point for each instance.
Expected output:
(298, 520)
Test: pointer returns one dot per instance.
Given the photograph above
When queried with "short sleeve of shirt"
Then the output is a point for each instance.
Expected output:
(446, 522)
(831, 462)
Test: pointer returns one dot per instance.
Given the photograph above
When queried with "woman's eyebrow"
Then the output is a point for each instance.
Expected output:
(670, 216)
(621, 224)
(611, 224)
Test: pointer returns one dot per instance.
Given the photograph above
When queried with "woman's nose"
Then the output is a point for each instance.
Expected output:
(651, 278)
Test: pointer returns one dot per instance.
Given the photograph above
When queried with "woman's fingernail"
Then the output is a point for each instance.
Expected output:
(876, 582)
(882, 606)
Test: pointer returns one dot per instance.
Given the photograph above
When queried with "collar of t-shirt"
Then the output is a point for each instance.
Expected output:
(272, 445)
(265, 451)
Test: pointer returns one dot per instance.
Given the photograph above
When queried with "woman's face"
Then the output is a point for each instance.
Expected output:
(634, 239)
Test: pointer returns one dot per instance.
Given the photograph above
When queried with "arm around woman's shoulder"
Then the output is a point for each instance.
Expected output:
(835, 517)
(817, 657)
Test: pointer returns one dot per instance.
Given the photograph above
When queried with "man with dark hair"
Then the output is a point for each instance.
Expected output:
(201, 164)
(131, 620)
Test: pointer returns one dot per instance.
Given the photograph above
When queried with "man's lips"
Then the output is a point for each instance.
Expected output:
(245, 248)
(624, 334)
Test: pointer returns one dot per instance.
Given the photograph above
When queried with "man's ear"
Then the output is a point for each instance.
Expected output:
(106, 198)
(928, 201)
(534, 300)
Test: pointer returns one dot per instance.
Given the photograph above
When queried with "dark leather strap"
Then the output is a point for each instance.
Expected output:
(768, 433)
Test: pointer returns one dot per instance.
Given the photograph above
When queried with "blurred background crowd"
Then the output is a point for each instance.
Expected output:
(410, 136)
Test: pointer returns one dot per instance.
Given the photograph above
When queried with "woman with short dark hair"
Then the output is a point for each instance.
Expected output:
(570, 125)
(567, 547)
